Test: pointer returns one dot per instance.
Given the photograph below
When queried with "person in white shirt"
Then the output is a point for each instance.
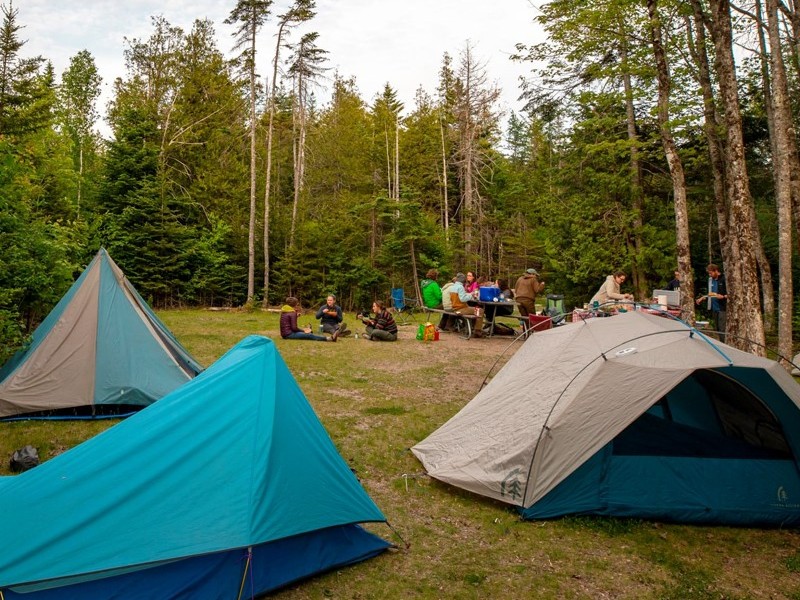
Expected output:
(610, 290)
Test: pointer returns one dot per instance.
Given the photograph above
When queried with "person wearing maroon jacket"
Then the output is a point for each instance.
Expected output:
(382, 328)
(289, 328)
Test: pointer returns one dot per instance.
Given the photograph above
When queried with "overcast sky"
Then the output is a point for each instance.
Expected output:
(376, 41)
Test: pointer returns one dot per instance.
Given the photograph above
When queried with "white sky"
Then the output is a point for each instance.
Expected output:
(376, 41)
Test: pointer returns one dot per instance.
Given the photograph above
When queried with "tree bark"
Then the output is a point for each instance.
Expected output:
(637, 275)
(782, 157)
(745, 324)
(251, 231)
(712, 127)
(683, 244)
(268, 174)
(446, 207)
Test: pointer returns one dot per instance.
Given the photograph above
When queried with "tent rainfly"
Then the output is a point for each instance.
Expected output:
(227, 487)
(632, 416)
(100, 351)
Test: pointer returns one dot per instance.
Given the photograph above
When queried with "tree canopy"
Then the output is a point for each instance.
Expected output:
(645, 145)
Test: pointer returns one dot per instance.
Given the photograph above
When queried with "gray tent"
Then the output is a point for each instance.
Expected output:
(100, 351)
(634, 415)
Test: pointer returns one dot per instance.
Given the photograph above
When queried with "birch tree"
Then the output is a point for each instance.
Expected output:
(745, 323)
(305, 68)
(674, 161)
(249, 16)
(300, 12)
(784, 154)
(386, 113)
(78, 93)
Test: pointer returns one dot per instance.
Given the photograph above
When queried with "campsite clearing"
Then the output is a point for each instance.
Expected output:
(376, 401)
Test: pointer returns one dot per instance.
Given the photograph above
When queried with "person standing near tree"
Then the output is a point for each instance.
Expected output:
(675, 284)
(718, 293)
(526, 290)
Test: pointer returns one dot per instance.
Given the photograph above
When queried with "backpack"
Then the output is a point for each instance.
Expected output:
(23, 459)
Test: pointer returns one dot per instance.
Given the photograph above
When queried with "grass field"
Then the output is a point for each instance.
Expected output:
(377, 400)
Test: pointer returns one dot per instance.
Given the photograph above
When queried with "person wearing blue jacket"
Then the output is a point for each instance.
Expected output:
(331, 317)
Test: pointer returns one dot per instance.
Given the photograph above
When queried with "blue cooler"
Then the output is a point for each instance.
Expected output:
(488, 294)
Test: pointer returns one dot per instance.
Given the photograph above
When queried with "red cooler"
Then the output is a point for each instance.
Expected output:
(540, 322)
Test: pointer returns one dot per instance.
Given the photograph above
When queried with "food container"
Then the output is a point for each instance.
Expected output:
(488, 294)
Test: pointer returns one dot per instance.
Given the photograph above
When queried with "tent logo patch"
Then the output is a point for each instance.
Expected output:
(783, 499)
(511, 486)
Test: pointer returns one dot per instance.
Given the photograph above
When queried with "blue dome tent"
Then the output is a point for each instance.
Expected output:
(228, 485)
(632, 416)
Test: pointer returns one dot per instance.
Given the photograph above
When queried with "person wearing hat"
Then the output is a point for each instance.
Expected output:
(459, 297)
(525, 291)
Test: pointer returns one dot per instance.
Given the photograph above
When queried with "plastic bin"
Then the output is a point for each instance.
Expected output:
(540, 322)
(488, 294)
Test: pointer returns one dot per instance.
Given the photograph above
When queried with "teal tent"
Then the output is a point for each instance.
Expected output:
(634, 416)
(228, 483)
(100, 351)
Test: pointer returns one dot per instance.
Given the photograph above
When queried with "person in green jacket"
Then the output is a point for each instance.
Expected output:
(431, 292)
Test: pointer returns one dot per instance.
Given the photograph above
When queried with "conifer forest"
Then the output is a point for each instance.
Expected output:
(656, 135)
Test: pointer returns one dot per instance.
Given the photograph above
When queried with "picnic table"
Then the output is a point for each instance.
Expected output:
(581, 314)
(466, 322)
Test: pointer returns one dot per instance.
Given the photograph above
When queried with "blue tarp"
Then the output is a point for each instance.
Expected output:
(234, 459)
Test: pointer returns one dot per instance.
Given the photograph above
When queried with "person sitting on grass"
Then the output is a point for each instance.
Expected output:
(289, 328)
(382, 327)
(330, 316)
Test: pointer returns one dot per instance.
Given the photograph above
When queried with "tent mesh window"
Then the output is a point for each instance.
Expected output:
(708, 415)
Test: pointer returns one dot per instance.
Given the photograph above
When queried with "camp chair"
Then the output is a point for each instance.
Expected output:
(402, 307)
(555, 309)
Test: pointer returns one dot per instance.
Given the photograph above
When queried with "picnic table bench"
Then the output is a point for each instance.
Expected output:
(466, 323)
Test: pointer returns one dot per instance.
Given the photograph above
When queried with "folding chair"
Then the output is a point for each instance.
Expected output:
(555, 309)
(402, 307)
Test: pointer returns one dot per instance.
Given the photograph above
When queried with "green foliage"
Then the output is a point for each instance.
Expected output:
(793, 563)
(169, 195)
(26, 95)
(607, 526)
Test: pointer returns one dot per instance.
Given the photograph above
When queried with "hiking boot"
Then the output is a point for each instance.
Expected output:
(344, 333)
(366, 336)
(335, 335)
